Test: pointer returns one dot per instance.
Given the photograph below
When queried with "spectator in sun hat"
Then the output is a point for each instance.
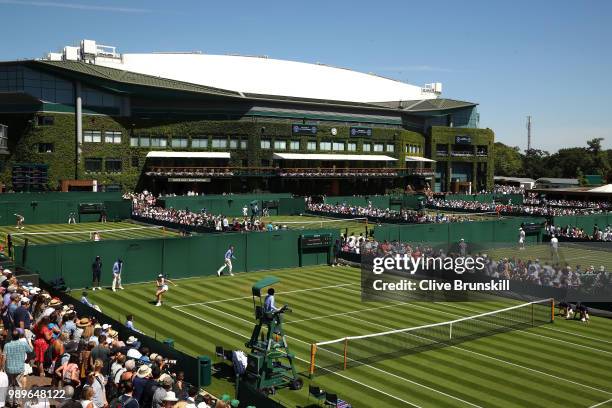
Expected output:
(143, 374)
(169, 400)
(165, 385)
(132, 342)
(21, 316)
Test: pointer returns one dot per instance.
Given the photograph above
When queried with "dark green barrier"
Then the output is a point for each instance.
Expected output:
(54, 208)
(199, 255)
(291, 206)
(504, 230)
(586, 222)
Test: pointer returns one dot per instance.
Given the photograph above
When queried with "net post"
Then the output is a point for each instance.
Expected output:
(552, 310)
(345, 351)
(450, 332)
(532, 316)
(313, 352)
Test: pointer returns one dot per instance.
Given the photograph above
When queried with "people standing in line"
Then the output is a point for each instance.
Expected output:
(117, 269)
(227, 261)
(96, 270)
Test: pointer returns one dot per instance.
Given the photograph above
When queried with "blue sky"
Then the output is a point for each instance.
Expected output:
(550, 59)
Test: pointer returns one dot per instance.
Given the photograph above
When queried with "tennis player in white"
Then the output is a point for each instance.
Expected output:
(162, 287)
(227, 261)
(521, 238)
(554, 249)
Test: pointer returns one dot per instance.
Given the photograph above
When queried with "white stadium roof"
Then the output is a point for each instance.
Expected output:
(188, 155)
(255, 75)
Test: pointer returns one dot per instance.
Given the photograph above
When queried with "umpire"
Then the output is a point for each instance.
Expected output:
(96, 270)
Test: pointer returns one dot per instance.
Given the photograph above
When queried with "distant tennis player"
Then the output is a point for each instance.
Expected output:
(554, 249)
(227, 261)
(72, 218)
(117, 269)
(162, 287)
(521, 238)
(462, 248)
(20, 220)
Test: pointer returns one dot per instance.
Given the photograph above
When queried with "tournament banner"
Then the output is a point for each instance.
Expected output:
(466, 140)
(297, 129)
(360, 131)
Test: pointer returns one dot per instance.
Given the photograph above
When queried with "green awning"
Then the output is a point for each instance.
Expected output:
(264, 283)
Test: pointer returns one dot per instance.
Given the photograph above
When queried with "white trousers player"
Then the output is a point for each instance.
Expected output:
(226, 264)
(116, 281)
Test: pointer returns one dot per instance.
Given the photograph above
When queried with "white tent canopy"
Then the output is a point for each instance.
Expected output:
(419, 159)
(602, 189)
(333, 157)
(188, 155)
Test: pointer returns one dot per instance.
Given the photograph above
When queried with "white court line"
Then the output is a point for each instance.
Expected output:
(601, 403)
(363, 365)
(493, 358)
(250, 297)
(307, 362)
(343, 314)
(526, 332)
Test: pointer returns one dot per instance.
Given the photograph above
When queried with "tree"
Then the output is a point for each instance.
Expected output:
(535, 164)
(507, 159)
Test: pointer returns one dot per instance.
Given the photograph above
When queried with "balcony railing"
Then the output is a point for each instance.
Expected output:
(331, 172)
(442, 153)
(462, 154)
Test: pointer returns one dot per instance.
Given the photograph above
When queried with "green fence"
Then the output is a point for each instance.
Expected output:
(230, 205)
(586, 222)
(178, 257)
(504, 230)
(54, 208)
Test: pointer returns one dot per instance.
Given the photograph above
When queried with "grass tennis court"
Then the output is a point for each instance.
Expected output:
(585, 254)
(59, 233)
(565, 364)
(355, 226)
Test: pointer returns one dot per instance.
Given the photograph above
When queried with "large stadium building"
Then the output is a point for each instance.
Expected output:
(175, 122)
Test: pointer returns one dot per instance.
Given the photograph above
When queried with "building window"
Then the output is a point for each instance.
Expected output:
(243, 144)
(367, 147)
(219, 143)
(265, 163)
(179, 142)
(133, 141)
(295, 145)
(338, 146)
(46, 120)
(113, 165)
(325, 146)
(145, 141)
(280, 145)
(264, 143)
(311, 146)
(390, 148)
(351, 147)
(45, 148)
(199, 143)
(93, 165)
(92, 136)
(112, 137)
(233, 143)
(135, 161)
(378, 147)
(159, 142)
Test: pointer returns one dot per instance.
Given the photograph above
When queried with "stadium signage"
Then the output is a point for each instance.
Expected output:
(298, 129)
(463, 140)
(188, 180)
(360, 131)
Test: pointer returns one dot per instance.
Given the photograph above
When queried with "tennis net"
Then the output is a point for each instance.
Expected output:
(342, 353)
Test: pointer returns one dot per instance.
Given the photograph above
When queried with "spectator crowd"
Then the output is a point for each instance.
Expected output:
(577, 233)
(45, 343)
(384, 214)
(512, 209)
(144, 205)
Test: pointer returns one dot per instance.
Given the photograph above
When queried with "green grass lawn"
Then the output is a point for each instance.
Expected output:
(565, 364)
(40, 234)
(596, 254)
(316, 222)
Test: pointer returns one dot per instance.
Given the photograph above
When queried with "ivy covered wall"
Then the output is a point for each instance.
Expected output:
(61, 134)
